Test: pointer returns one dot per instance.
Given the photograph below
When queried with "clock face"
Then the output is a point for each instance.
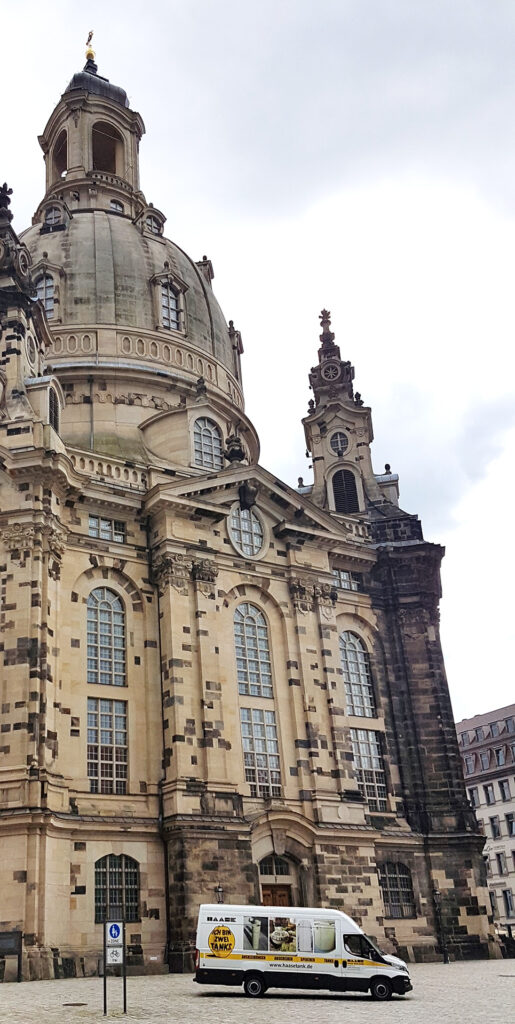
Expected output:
(23, 264)
(31, 350)
(330, 371)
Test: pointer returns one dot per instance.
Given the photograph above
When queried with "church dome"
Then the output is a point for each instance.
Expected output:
(110, 270)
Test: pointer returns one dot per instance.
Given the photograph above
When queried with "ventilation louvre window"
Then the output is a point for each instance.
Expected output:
(345, 492)
(116, 888)
(397, 889)
(53, 410)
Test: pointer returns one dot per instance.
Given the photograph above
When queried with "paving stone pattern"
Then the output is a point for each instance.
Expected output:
(472, 992)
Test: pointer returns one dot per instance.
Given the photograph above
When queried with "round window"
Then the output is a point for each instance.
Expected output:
(246, 531)
(31, 350)
(339, 442)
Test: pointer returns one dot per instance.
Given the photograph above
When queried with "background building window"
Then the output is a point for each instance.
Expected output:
(500, 757)
(359, 692)
(246, 530)
(489, 794)
(495, 826)
(345, 492)
(510, 824)
(369, 767)
(261, 752)
(469, 764)
(504, 789)
(484, 757)
(106, 529)
(106, 638)
(397, 889)
(53, 410)
(169, 307)
(207, 443)
(252, 652)
(345, 580)
(474, 796)
(509, 903)
(116, 888)
(107, 746)
(45, 293)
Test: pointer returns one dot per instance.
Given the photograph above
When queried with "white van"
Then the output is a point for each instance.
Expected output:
(292, 947)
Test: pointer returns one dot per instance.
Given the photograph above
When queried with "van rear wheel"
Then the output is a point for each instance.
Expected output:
(254, 986)
(381, 989)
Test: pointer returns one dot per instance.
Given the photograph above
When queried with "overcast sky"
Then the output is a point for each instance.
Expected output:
(353, 154)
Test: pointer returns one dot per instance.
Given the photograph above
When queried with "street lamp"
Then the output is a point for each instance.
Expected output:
(219, 892)
(437, 899)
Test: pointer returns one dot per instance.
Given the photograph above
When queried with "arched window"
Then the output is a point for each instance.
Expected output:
(153, 224)
(53, 216)
(359, 692)
(252, 652)
(61, 155)
(107, 146)
(246, 530)
(397, 889)
(169, 307)
(274, 865)
(53, 410)
(345, 492)
(116, 206)
(207, 441)
(45, 293)
(116, 888)
(106, 638)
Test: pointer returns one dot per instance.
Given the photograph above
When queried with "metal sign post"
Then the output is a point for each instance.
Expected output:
(114, 954)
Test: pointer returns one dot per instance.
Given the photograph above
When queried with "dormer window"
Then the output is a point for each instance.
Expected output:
(116, 206)
(207, 444)
(169, 307)
(45, 293)
(154, 225)
(53, 216)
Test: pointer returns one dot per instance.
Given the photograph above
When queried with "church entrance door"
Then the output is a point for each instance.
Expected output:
(276, 895)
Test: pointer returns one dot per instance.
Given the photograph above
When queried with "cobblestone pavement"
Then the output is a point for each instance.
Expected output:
(475, 992)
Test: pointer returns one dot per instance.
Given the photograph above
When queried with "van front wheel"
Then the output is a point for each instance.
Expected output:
(381, 989)
(254, 986)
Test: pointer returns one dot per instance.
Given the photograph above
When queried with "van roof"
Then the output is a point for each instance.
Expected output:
(257, 910)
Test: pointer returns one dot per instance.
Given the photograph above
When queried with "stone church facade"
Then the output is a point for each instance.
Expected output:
(211, 681)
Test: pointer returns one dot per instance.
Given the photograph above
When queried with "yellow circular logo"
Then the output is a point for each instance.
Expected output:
(221, 941)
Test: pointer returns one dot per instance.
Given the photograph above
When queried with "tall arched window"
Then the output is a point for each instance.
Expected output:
(345, 492)
(61, 154)
(169, 307)
(107, 146)
(397, 889)
(359, 692)
(45, 293)
(53, 410)
(207, 441)
(116, 888)
(252, 652)
(106, 638)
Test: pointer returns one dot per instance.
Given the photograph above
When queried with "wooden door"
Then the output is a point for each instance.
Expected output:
(276, 895)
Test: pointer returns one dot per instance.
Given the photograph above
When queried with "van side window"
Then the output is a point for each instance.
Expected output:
(356, 944)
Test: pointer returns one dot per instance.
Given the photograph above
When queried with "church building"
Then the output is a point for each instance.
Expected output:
(213, 684)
